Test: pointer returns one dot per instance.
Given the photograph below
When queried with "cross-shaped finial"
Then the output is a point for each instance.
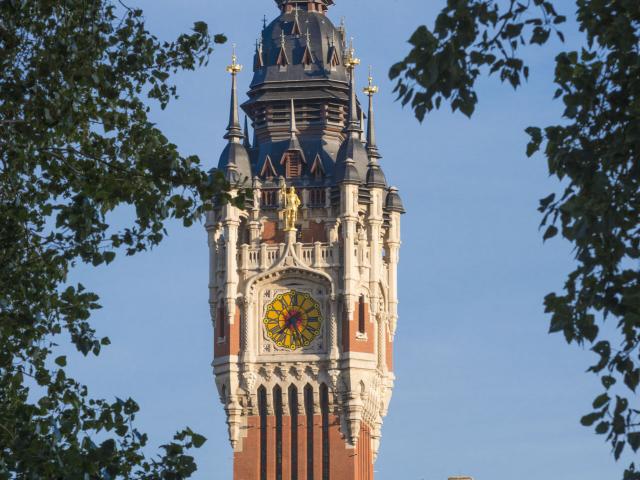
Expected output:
(371, 89)
(235, 67)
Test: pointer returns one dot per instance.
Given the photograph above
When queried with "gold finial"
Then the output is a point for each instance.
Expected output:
(282, 39)
(371, 89)
(352, 61)
(308, 37)
(235, 67)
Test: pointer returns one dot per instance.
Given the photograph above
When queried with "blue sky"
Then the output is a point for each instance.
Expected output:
(482, 389)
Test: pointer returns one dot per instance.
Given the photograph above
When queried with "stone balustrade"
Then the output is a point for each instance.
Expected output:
(263, 257)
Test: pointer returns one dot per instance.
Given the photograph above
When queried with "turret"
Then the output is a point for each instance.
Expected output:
(375, 176)
(352, 147)
(234, 161)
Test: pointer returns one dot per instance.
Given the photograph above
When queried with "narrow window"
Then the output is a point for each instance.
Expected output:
(277, 400)
(324, 406)
(362, 323)
(293, 410)
(262, 406)
(308, 403)
(221, 320)
(269, 198)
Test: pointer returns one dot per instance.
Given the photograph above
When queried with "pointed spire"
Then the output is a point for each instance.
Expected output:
(296, 31)
(343, 37)
(283, 59)
(246, 142)
(372, 148)
(264, 22)
(353, 126)
(234, 132)
(307, 56)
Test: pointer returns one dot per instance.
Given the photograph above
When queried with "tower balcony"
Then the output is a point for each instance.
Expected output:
(264, 257)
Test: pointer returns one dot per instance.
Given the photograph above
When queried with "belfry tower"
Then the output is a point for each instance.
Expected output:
(303, 281)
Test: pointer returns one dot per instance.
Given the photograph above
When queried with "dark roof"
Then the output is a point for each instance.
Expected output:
(352, 148)
(375, 176)
(234, 162)
(322, 35)
(394, 202)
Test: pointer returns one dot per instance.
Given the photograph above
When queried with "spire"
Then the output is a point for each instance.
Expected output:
(307, 56)
(295, 30)
(375, 175)
(372, 148)
(353, 126)
(283, 59)
(234, 133)
(293, 131)
(247, 142)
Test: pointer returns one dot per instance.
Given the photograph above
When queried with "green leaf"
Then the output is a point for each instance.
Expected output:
(634, 440)
(592, 418)
(601, 401)
(61, 361)
(198, 440)
(551, 232)
(602, 428)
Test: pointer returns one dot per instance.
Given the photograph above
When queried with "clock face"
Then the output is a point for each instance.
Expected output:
(293, 320)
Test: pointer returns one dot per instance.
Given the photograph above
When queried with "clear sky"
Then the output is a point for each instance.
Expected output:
(481, 389)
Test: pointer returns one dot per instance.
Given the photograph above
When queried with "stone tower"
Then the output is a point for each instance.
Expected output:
(303, 280)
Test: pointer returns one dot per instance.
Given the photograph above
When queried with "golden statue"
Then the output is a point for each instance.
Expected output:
(290, 202)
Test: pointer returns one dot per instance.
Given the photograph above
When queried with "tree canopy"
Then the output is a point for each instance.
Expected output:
(594, 150)
(76, 143)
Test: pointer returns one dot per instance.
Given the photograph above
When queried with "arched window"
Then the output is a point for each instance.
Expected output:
(324, 407)
(221, 320)
(293, 411)
(308, 404)
(277, 401)
(362, 320)
(262, 407)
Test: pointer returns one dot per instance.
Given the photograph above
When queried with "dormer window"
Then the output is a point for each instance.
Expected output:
(293, 164)
(268, 170)
(307, 58)
(334, 59)
(317, 169)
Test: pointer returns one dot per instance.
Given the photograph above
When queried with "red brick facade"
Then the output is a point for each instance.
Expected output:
(344, 462)
(229, 344)
(353, 340)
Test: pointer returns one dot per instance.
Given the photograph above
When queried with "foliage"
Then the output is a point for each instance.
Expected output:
(594, 151)
(75, 144)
